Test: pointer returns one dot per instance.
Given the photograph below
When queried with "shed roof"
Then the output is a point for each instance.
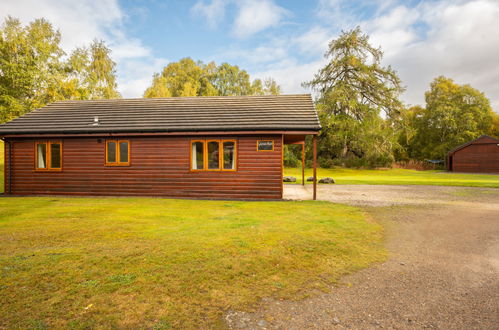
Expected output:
(484, 139)
(175, 114)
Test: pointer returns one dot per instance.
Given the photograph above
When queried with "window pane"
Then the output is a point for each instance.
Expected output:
(41, 156)
(213, 155)
(111, 152)
(55, 155)
(197, 156)
(229, 159)
(123, 152)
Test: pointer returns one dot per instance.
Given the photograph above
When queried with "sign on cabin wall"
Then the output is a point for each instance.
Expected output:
(265, 145)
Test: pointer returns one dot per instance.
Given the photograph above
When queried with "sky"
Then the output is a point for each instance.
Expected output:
(285, 40)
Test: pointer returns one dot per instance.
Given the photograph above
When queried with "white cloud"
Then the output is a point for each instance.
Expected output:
(137, 75)
(458, 39)
(257, 15)
(261, 55)
(80, 22)
(213, 12)
(290, 74)
(461, 42)
(314, 41)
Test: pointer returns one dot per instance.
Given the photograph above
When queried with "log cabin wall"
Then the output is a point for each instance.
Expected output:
(477, 158)
(159, 166)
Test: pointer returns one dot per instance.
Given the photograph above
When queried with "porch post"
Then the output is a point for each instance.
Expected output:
(303, 164)
(315, 166)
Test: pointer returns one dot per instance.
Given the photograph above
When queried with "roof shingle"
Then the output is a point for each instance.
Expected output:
(176, 114)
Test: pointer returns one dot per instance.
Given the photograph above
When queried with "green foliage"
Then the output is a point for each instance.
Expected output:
(189, 78)
(292, 155)
(29, 63)
(494, 129)
(92, 73)
(354, 89)
(35, 73)
(454, 114)
(149, 263)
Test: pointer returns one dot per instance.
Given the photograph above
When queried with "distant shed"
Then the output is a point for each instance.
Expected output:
(477, 156)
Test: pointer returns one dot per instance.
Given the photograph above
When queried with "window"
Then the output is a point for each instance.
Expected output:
(48, 156)
(197, 156)
(117, 153)
(213, 155)
(229, 155)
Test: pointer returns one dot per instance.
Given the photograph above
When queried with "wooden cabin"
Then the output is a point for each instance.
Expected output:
(477, 156)
(192, 147)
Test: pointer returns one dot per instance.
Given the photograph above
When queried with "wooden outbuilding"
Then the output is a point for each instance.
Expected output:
(192, 147)
(478, 156)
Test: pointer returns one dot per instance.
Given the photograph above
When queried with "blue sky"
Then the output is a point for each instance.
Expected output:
(285, 40)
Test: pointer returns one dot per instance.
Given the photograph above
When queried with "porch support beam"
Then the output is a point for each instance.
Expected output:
(303, 164)
(315, 166)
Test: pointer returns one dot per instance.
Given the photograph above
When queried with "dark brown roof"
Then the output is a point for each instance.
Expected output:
(175, 114)
(484, 139)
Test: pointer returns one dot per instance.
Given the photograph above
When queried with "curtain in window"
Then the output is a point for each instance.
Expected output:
(197, 156)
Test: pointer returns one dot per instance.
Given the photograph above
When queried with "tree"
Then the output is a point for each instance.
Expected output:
(494, 129)
(189, 78)
(454, 114)
(406, 126)
(354, 90)
(29, 65)
(34, 71)
(91, 74)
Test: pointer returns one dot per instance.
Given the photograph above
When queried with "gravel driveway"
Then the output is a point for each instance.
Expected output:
(443, 270)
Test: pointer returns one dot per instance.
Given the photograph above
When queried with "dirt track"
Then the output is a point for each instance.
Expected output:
(443, 270)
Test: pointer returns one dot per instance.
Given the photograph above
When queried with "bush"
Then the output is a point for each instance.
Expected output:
(419, 165)
(292, 157)
(328, 162)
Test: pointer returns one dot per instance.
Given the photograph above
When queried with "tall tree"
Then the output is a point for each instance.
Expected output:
(29, 66)
(354, 90)
(454, 114)
(34, 71)
(189, 78)
(91, 73)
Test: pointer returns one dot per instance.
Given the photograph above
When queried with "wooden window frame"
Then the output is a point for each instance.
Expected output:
(273, 144)
(48, 156)
(220, 155)
(117, 162)
(204, 156)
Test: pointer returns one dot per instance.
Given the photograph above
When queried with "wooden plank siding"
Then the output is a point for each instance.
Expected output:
(477, 158)
(159, 166)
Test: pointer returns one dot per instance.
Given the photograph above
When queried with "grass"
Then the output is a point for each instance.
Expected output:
(159, 263)
(399, 177)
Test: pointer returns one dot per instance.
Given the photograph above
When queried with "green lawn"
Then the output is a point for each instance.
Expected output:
(160, 263)
(399, 177)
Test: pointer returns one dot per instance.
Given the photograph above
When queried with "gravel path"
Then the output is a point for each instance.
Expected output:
(443, 270)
